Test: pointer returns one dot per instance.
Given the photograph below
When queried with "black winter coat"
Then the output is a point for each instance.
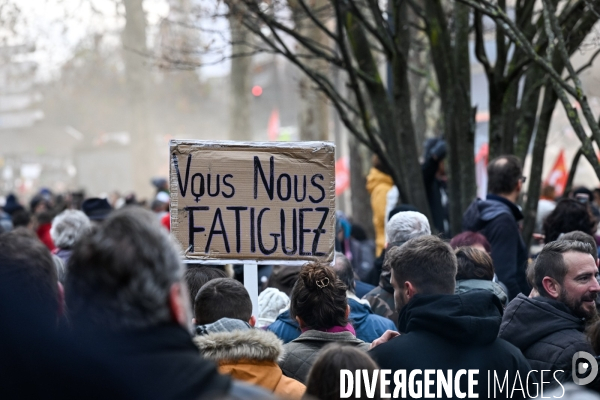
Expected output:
(165, 361)
(496, 218)
(452, 332)
(547, 333)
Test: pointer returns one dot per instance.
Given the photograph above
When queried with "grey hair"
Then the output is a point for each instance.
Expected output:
(406, 225)
(120, 275)
(344, 271)
(68, 227)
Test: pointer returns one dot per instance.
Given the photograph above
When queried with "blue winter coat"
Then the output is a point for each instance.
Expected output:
(368, 326)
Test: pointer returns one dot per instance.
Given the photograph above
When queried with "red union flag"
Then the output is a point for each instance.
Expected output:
(342, 176)
(558, 175)
(273, 126)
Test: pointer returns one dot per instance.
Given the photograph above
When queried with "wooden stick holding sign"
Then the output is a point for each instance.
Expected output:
(253, 203)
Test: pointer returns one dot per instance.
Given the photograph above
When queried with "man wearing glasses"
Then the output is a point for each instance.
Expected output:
(497, 219)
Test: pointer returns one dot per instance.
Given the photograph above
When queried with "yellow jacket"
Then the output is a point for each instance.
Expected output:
(378, 185)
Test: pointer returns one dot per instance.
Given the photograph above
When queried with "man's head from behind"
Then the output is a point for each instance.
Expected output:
(344, 271)
(222, 298)
(28, 262)
(197, 276)
(127, 275)
(405, 226)
(566, 271)
(424, 265)
(68, 226)
(473, 264)
(505, 175)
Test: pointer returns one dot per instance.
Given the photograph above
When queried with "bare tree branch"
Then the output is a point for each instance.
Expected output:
(586, 65)
(590, 7)
(586, 144)
(382, 37)
(501, 50)
(338, 101)
(515, 33)
(552, 25)
(364, 114)
(480, 52)
(311, 45)
(316, 20)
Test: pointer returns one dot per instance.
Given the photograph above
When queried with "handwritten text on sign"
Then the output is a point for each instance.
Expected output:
(253, 201)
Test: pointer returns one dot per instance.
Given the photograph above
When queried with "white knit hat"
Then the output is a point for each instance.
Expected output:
(271, 302)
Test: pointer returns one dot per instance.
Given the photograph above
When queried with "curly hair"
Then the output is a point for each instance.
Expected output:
(569, 215)
(319, 297)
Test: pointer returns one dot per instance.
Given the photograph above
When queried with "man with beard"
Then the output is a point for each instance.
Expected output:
(549, 328)
(443, 332)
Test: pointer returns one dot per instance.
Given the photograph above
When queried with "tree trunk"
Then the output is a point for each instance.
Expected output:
(527, 117)
(509, 115)
(362, 214)
(313, 115)
(240, 79)
(537, 163)
(407, 144)
(495, 124)
(421, 99)
(452, 68)
(143, 145)
(543, 126)
(380, 106)
(465, 125)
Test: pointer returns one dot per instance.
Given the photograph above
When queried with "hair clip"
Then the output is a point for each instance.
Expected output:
(321, 283)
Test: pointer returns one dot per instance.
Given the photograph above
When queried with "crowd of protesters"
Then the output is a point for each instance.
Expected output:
(96, 303)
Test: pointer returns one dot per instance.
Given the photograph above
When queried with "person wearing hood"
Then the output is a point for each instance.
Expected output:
(12, 204)
(379, 183)
(434, 179)
(497, 219)
(445, 332)
(401, 227)
(549, 328)
(226, 335)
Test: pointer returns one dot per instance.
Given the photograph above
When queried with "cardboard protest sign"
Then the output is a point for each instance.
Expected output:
(245, 201)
